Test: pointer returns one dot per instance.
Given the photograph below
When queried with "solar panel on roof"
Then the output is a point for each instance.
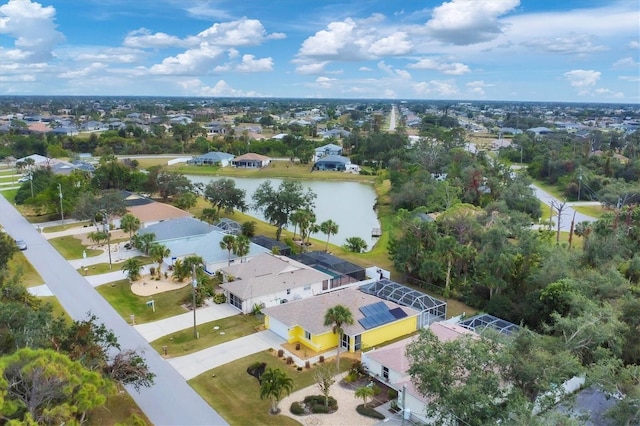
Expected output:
(373, 308)
(398, 313)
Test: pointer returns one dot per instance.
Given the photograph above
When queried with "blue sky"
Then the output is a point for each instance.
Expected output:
(517, 50)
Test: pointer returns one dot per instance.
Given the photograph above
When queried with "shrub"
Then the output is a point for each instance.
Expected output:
(219, 298)
(289, 360)
(296, 408)
(152, 271)
(350, 378)
(321, 359)
(319, 409)
(299, 368)
(392, 394)
(319, 400)
(369, 412)
(358, 369)
(256, 369)
(307, 364)
(376, 390)
(280, 353)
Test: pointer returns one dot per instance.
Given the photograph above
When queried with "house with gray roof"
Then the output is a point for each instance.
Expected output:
(333, 162)
(212, 158)
(181, 227)
(268, 280)
(325, 150)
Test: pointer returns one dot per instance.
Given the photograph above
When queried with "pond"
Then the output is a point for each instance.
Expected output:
(349, 204)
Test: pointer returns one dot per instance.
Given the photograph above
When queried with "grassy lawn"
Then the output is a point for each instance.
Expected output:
(233, 393)
(118, 410)
(57, 308)
(183, 342)
(10, 194)
(71, 248)
(120, 296)
(576, 243)
(30, 277)
(103, 268)
(58, 228)
(553, 190)
(593, 211)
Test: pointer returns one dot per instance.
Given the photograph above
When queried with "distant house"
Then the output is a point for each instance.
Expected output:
(216, 128)
(212, 158)
(375, 321)
(336, 133)
(333, 162)
(325, 150)
(251, 160)
(539, 131)
(268, 280)
(272, 244)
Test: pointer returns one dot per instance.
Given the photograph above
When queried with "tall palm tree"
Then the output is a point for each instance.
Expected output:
(364, 393)
(227, 244)
(329, 227)
(274, 383)
(129, 223)
(335, 317)
(241, 246)
(132, 268)
(144, 242)
(159, 252)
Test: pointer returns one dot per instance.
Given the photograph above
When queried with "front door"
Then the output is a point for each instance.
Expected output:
(344, 344)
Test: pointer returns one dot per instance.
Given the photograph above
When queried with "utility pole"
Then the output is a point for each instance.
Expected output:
(194, 285)
(105, 227)
(61, 211)
(579, 185)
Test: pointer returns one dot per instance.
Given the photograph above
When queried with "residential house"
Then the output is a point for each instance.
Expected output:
(251, 160)
(375, 321)
(186, 237)
(268, 280)
(148, 211)
(212, 158)
(325, 150)
(333, 162)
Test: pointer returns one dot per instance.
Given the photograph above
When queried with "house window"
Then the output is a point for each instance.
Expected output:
(357, 342)
(288, 291)
(385, 373)
(345, 342)
(307, 335)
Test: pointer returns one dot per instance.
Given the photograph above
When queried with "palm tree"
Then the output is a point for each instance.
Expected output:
(227, 243)
(364, 392)
(241, 246)
(158, 252)
(144, 242)
(132, 268)
(330, 228)
(335, 317)
(273, 385)
(296, 218)
(129, 223)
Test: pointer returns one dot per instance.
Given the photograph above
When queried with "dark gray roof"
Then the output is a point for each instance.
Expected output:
(333, 159)
(178, 228)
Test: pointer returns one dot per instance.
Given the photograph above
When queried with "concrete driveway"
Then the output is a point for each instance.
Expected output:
(192, 365)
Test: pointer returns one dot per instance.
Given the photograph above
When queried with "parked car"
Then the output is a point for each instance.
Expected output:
(24, 179)
(21, 244)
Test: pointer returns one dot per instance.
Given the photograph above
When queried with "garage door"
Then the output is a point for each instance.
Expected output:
(279, 328)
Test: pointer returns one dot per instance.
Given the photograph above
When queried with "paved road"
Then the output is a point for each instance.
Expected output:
(567, 213)
(171, 401)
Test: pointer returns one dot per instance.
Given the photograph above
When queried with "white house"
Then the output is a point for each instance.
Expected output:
(267, 280)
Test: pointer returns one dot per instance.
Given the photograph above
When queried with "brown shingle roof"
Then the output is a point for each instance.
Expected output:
(155, 212)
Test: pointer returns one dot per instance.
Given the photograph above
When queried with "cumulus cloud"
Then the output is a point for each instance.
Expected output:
(452, 68)
(251, 64)
(33, 28)
(325, 82)
(243, 32)
(92, 69)
(353, 40)
(582, 78)
(311, 68)
(477, 87)
(571, 44)
(221, 88)
(393, 72)
(191, 62)
(465, 22)
(627, 62)
(143, 39)
(436, 88)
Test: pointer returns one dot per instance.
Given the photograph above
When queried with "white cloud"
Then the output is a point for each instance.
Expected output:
(191, 62)
(143, 38)
(251, 64)
(111, 55)
(634, 44)
(436, 88)
(311, 68)
(221, 88)
(33, 28)
(395, 44)
(627, 62)
(366, 69)
(465, 22)
(452, 68)
(567, 44)
(243, 32)
(477, 87)
(582, 78)
(609, 93)
(90, 70)
(325, 82)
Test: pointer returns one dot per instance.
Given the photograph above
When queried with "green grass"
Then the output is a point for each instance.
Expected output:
(58, 228)
(29, 276)
(183, 342)
(120, 296)
(103, 268)
(57, 309)
(118, 410)
(10, 195)
(551, 189)
(593, 211)
(71, 248)
(233, 393)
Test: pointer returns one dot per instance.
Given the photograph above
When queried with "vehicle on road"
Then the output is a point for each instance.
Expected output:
(21, 244)
(24, 179)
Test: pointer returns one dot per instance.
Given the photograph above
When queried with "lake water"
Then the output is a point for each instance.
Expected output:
(349, 204)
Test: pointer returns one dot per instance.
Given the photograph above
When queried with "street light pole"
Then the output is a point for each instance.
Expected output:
(61, 211)
(194, 285)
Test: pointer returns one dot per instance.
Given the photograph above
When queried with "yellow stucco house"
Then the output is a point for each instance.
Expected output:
(374, 321)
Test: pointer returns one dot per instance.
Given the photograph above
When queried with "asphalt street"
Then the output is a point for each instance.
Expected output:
(171, 401)
(567, 213)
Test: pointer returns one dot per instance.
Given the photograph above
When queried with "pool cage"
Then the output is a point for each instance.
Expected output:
(431, 309)
(343, 272)
(481, 322)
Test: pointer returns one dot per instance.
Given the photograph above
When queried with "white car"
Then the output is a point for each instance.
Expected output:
(21, 244)
(24, 179)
